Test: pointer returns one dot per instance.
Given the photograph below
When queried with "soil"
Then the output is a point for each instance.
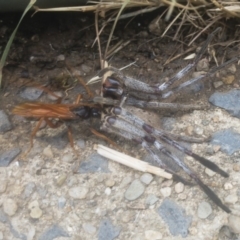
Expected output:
(51, 48)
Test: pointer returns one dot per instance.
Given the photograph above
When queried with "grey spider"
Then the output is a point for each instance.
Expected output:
(119, 90)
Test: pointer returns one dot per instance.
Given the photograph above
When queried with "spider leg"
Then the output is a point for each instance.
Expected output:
(193, 80)
(119, 123)
(121, 112)
(161, 105)
(144, 144)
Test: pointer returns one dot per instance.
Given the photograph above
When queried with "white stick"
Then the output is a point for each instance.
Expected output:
(130, 161)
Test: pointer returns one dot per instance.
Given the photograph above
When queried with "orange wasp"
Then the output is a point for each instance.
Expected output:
(59, 112)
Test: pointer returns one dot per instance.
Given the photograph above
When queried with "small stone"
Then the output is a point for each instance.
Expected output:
(135, 190)
(48, 152)
(166, 191)
(60, 57)
(182, 196)
(35, 213)
(189, 130)
(109, 183)
(89, 228)
(55, 97)
(125, 181)
(152, 235)
(204, 210)
(232, 69)
(67, 157)
(198, 131)
(61, 179)
(209, 172)
(53, 232)
(5, 124)
(203, 65)
(107, 230)
(179, 187)
(217, 84)
(10, 207)
(108, 191)
(62, 202)
(229, 79)
(146, 178)
(151, 199)
(81, 143)
(30, 93)
(8, 156)
(227, 186)
(236, 167)
(232, 198)
(233, 222)
(86, 68)
(78, 192)
(29, 189)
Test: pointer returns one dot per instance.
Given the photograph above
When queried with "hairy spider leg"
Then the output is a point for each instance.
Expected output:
(124, 124)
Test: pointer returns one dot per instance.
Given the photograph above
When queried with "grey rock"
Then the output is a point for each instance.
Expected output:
(78, 192)
(135, 190)
(94, 163)
(168, 123)
(174, 216)
(233, 222)
(81, 143)
(228, 140)
(30, 93)
(89, 228)
(53, 232)
(62, 202)
(226, 233)
(10, 206)
(204, 210)
(5, 124)
(146, 178)
(151, 199)
(230, 101)
(29, 189)
(7, 157)
(107, 231)
(3, 217)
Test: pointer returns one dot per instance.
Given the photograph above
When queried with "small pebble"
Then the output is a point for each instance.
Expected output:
(146, 178)
(89, 228)
(227, 186)
(86, 68)
(203, 65)
(81, 143)
(152, 235)
(232, 69)
(53, 97)
(60, 57)
(10, 207)
(179, 187)
(61, 179)
(209, 172)
(125, 181)
(78, 192)
(151, 199)
(217, 84)
(233, 222)
(182, 196)
(29, 189)
(5, 124)
(204, 210)
(236, 167)
(135, 190)
(229, 79)
(8, 156)
(48, 152)
(108, 191)
(109, 183)
(232, 198)
(62, 202)
(166, 191)
(53, 232)
(67, 157)
(35, 213)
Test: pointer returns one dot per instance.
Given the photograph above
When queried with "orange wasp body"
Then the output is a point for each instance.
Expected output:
(59, 112)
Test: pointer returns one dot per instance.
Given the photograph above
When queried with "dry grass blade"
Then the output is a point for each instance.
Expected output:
(7, 48)
(130, 161)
